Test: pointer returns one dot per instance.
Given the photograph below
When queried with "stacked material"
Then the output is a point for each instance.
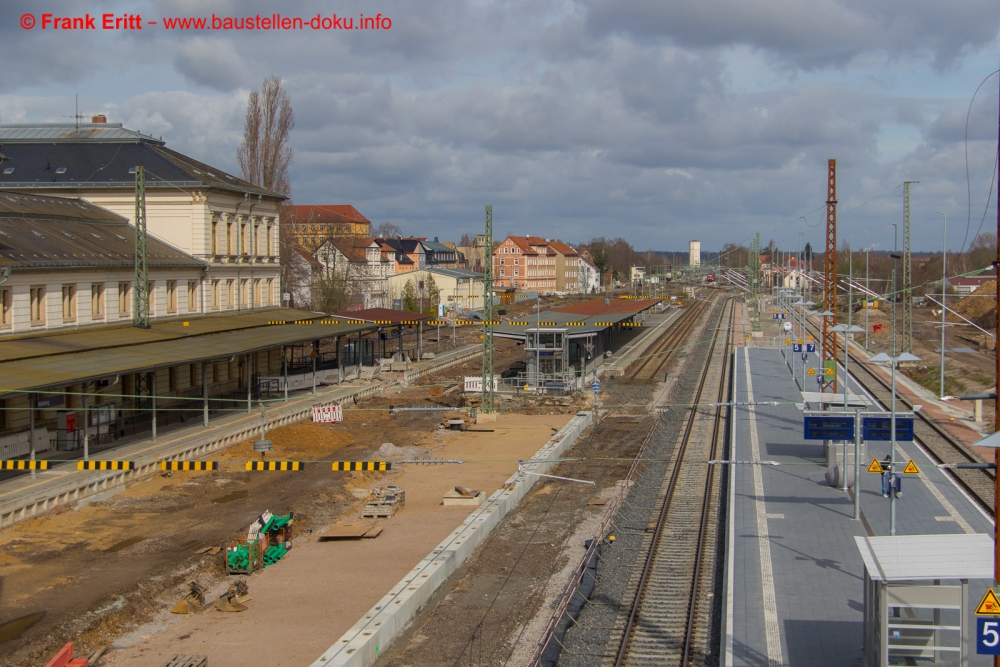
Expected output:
(385, 502)
(240, 557)
(274, 554)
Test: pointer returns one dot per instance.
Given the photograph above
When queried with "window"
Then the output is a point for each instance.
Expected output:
(270, 242)
(270, 292)
(171, 296)
(256, 240)
(231, 294)
(124, 299)
(151, 296)
(502, 272)
(215, 237)
(244, 292)
(69, 303)
(515, 272)
(244, 239)
(216, 296)
(5, 310)
(37, 293)
(229, 238)
(502, 261)
(172, 378)
(97, 301)
(193, 379)
(515, 261)
(192, 296)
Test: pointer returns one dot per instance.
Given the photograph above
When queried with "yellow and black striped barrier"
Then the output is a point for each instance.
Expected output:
(19, 464)
(189, 465)
(274, 465)
(631, 324)
(277, 322)
(329, 321)
(105, 465)
(382, 322)
(518, 323)
(355, 321)
(410, 322)
(362, 465)
(302, 322)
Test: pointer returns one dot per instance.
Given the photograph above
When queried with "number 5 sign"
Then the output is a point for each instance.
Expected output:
(988, 636)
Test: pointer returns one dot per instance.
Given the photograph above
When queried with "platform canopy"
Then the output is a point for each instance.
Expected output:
(927, 557)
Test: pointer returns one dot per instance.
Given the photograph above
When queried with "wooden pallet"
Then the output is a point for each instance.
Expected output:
(187, 661)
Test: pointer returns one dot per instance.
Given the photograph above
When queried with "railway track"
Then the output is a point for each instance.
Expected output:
(652, 363)
(668, 622)
(940, 444)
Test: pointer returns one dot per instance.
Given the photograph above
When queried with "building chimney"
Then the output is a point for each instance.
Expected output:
(99, 118)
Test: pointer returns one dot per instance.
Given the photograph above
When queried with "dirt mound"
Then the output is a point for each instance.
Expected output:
(389, 450)
(979, 308)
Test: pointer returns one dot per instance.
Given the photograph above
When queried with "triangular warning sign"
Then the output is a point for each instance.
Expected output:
(811, 371)
(800, 341)
(911, 468)
(787, 341)
(875, 467)
(829, 371)
(989, 605)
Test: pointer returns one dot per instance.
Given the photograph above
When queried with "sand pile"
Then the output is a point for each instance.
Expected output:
(979, 308)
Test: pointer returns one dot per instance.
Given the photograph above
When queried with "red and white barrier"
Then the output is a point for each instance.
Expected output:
(328, 413)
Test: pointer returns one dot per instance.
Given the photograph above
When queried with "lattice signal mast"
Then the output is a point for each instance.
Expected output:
(140, 310)
(907, 273)
(753, 278)
(830, 280)
(486, 404)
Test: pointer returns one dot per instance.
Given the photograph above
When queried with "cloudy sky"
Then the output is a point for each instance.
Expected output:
(656, 120)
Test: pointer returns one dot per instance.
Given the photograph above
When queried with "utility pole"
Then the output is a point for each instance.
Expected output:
(830, 280)
(140, 302)
(753, 277)
(487, 401)
(996, 478)
(907, 272)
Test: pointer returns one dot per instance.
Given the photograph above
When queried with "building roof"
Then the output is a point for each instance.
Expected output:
(597, 307)
(403, 244)
(563, 249)
(521, 242)
(308, 257)
(44, 360)
(38, 232)
(970, 280)
(460, 274)
(384, 315)
(927, 557)
(325, 213)
(100, 156)
(436, 246)
(351, 248)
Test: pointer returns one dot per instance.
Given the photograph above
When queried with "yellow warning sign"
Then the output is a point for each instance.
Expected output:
(787, 341)
(783, 312)
(747, 336)
(811, 371)
(911, 468)
(799, 341)
(810, 336)
(875, 466)
(829, 371)
(989, 605)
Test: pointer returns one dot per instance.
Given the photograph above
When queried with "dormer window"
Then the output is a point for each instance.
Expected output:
(131, 170)
(61, 170)
(8, 171)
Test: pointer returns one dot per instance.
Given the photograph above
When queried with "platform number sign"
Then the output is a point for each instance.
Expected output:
(810, 347)
(797, 347)
(988, 624)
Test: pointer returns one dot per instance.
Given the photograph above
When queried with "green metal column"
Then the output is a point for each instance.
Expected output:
(487, 402)
(753, 277)
(140, 302)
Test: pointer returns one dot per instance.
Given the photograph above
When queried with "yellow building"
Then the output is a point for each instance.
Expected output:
(310, 225)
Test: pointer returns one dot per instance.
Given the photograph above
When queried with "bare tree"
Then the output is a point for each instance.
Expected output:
(388, 230)
(265, 155)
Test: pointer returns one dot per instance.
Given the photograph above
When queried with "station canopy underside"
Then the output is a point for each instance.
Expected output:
(47, 360)
(583, 319)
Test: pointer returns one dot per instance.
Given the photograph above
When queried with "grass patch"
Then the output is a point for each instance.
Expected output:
(929, 377)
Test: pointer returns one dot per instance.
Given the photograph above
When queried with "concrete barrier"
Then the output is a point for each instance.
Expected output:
(361, 645)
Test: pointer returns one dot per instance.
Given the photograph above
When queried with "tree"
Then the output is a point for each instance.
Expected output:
(264, 155)
(388, 230)
(467, 240)
(410, 297)
(982, 251)
(433, 296)
(601, 261)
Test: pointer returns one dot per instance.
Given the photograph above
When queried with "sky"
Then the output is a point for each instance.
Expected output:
(657, 121)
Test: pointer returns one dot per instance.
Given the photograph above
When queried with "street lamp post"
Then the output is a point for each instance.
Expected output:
(944, 292)
(894, 361)
(846, 330)
(868, 252)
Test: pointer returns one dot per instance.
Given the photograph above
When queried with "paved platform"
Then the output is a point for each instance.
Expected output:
(794, 589)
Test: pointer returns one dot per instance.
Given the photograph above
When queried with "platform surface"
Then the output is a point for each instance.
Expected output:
(795, 576)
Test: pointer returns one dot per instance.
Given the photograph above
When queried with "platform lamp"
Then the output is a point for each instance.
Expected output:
(848, 329)
(882, 358)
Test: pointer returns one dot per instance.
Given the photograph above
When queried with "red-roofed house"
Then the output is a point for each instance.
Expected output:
(534, 263)
(966, 285)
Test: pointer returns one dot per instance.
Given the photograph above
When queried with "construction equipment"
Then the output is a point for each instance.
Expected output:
(191, 602)
(231, 599)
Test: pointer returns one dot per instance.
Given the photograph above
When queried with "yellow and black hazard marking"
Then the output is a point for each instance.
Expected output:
(362, 465)
(631, 324)
(105, 465)
(518, 323)
(604, 324)
(355, 321)
(492, 322)
(19, 464)
(329, 321)
(274, 465)
(189, 465)
(575, 324)
(277, 322)
(302, 321)
(383, 322)
(545, 324)
(410, 322)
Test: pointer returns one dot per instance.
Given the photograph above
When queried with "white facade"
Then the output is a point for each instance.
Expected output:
(694, 253)
(589, 278)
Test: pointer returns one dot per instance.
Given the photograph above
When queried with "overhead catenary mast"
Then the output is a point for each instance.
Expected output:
(140, 300)
(486, 404)
(830, 281)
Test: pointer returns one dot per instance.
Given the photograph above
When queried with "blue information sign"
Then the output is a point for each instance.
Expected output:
(782, 316)
(987, 635)
(774, 316)
(880, 428)
(829, 428)
(810, 347)
(796, 347)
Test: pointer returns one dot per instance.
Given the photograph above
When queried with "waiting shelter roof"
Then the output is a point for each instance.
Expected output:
(927, 557)
(44, 360)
